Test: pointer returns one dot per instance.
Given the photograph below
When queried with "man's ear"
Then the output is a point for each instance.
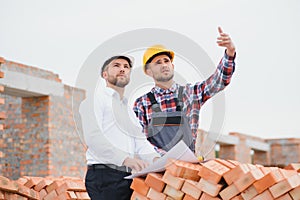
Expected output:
(149, 72)
(104, 74)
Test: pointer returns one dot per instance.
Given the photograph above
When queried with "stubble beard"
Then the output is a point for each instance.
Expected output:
(118, 81)
(161, 78)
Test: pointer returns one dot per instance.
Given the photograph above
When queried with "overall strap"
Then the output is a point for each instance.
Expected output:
(155, 106)
(180, 99)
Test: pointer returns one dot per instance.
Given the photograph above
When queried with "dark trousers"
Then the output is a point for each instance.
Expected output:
(108, 184)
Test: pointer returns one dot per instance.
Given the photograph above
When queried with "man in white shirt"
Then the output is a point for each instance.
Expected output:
(115, 144)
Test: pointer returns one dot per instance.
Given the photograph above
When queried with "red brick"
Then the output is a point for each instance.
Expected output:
(173, 181)
(53, 186)
(268, 180)
(22, 180)
(172, 192)
(293, 166)
(264, 196)
(174, 167)
(154, 180)
(51, 195)
(284, 197)
(229, 192)
(213, 171)
(153, 194)
(208, 187)
(235, 173)
(205, 196)
(25, 191)
(191, 171)
(73, 185)
(295, 193)
(247, 179)
(42, 193)
(13, 196)
(2, 195)
(8, 185)
(82, 195)
(2, 60)
(226, 163)
(249, 193)
(285, 185)
(42, 184)
(138, 184)
(288, 173)
(188, 197)
(32, 181)
(189, 187)
(239, 197)
(136, 196)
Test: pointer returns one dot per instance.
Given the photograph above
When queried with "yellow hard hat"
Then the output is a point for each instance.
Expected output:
(152, 51)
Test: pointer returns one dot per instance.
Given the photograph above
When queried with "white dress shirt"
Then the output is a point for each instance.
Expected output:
(111, 130)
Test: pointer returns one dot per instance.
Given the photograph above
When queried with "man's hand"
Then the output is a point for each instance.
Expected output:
(135, 164)
(225, 41)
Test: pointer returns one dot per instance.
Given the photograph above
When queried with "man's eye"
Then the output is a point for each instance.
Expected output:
(126, 66)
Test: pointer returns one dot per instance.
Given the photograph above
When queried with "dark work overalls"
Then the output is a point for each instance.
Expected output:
(167, 128)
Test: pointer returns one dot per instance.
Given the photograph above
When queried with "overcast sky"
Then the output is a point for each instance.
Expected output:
(263, 97)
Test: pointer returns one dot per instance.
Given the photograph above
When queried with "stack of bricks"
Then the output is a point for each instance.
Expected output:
(2, 101)
(218, 179)
(36, 188)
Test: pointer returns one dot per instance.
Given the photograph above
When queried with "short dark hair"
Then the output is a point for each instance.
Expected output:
(158, 54)
(108, 61)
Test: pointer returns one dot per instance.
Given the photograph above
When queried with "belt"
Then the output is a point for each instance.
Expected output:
(109, 166)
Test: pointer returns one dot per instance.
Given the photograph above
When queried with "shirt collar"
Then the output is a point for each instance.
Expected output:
(160, 90)
(113, 93)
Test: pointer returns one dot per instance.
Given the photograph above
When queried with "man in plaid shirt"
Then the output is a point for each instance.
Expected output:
(158, 64)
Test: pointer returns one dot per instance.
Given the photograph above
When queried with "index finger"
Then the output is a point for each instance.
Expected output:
(220, 30)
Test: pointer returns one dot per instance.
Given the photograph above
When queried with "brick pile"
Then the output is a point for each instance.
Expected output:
(218, 179)
(36, 188)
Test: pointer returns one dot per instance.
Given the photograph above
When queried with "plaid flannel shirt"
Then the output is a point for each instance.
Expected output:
(194, 96)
